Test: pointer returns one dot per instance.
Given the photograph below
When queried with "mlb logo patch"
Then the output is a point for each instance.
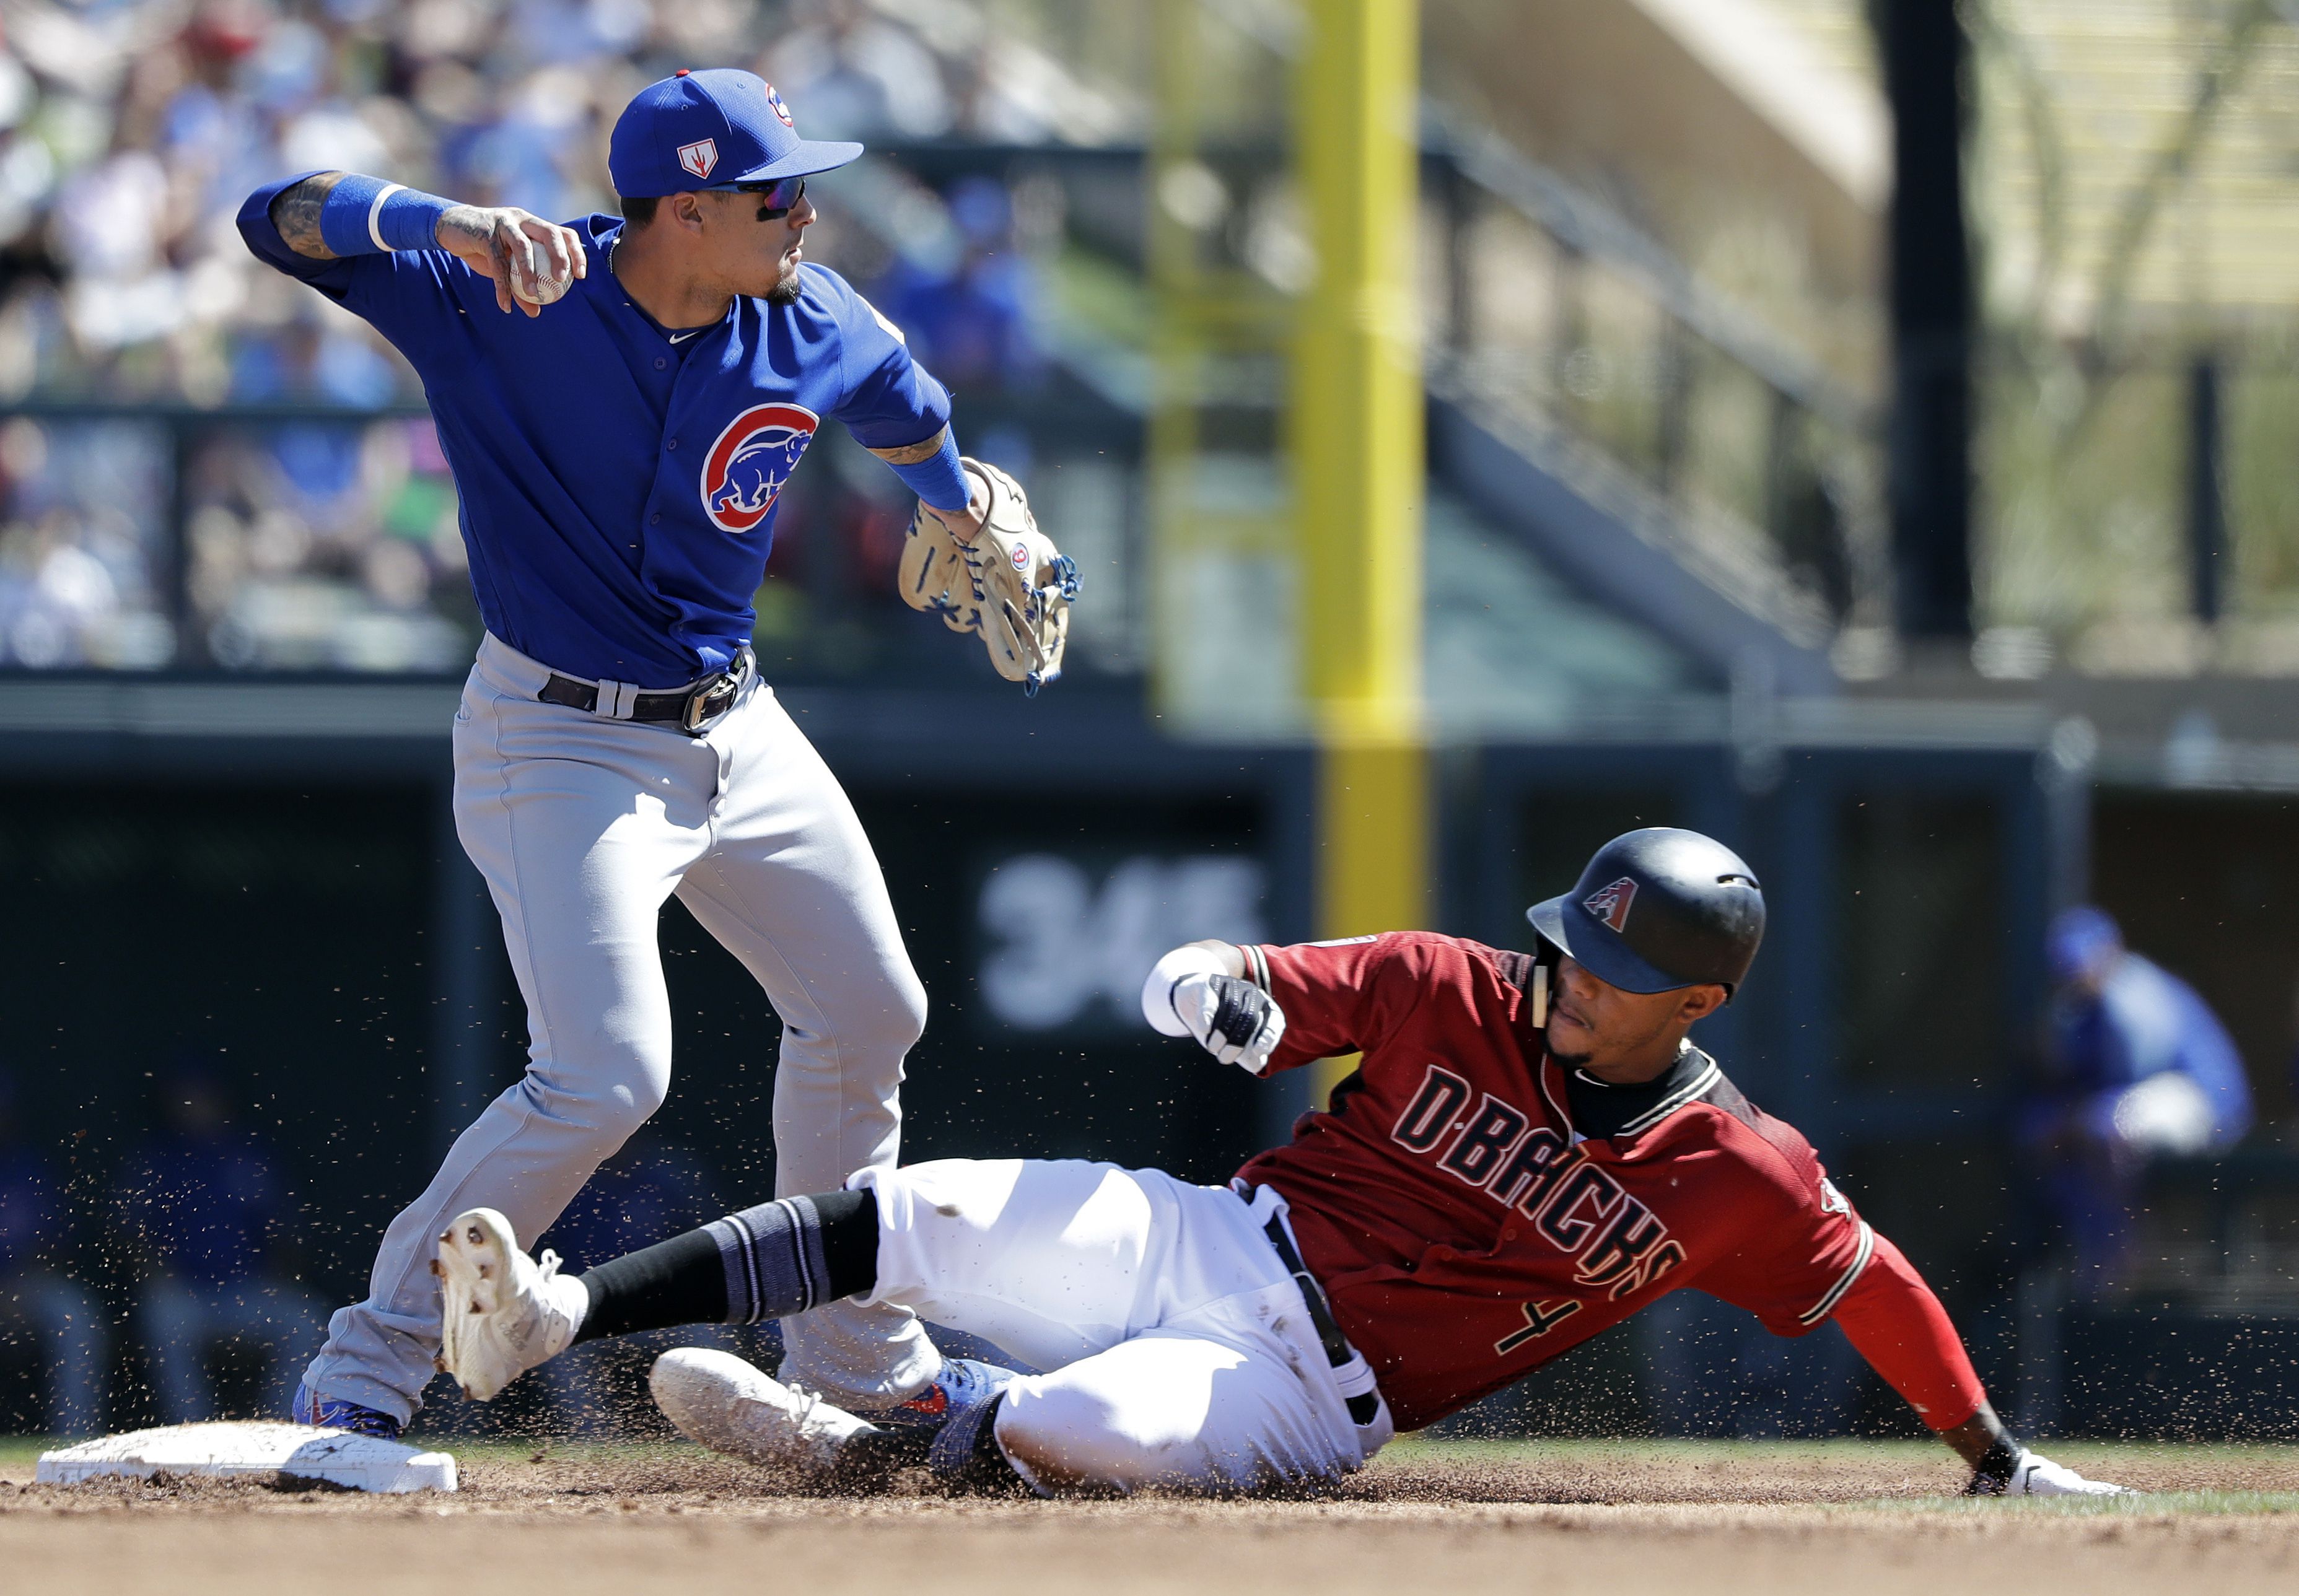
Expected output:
(700, 156)
(1610, 903)
(774, 103)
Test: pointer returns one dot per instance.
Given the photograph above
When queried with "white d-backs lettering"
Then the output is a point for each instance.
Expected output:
(1618, 1244)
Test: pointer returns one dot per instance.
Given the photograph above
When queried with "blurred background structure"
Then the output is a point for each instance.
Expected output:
(1867, 430)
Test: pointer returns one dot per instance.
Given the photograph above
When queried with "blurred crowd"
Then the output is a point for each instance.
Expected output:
(134, 127)
(131, 129)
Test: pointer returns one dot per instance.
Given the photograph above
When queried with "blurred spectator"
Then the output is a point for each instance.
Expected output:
(84, 515)
(327, 545)
(967, 317)
(203, 1207)
(2138, 1067)
(854, 75)
(39, 1309)
(643, 1194)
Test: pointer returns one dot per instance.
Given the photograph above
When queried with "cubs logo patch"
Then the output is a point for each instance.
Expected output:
(752, 459)
(774, 103)
(700, 156)
(1610, 903)
(1021, 560)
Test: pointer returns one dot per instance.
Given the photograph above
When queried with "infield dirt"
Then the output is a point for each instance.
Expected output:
(1595, 1519)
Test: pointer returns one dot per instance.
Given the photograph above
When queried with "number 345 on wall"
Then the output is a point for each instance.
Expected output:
(1063, 948)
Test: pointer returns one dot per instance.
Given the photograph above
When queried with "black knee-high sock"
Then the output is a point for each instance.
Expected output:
(781, 1257)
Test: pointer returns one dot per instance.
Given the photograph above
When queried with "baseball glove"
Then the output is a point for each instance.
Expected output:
(1009, 585)
(933, 576)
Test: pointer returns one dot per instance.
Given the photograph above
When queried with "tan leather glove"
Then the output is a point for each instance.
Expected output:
(1015, 588)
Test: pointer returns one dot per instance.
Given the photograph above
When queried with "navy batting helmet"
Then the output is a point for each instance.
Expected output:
(1659, 909)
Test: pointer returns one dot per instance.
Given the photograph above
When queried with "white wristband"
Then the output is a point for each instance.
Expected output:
(375, 214)
(1157, 991)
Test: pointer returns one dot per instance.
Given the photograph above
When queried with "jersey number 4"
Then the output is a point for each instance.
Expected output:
(1540, 1319)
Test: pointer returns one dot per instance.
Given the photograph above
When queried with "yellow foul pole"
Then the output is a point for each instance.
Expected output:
(1356, 431)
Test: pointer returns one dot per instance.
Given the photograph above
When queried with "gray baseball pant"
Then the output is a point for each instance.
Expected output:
(581, 826)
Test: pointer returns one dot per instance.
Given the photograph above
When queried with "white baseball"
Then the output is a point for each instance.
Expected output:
(550, 285)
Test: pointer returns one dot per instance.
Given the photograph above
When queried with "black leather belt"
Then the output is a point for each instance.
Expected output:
(693, 709)
(1338, 1351)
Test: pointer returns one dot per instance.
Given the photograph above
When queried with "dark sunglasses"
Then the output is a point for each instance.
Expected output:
(778, 198)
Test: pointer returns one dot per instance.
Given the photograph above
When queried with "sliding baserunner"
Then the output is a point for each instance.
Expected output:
(1532, 1151)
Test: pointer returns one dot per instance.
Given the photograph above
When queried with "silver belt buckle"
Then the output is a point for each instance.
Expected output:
(712, 698)
(706, 704)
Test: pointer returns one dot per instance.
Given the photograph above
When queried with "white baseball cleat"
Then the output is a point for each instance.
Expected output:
(2039, 1475)
(504, 1312)
(732, 1407)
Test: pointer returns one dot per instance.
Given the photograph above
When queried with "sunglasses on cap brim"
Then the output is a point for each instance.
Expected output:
(777, 197)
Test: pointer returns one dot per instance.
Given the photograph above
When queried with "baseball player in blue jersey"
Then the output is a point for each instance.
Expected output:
(622, 400)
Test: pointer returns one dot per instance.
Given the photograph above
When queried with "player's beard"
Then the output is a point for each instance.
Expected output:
(786, 288)
(1580, 1061)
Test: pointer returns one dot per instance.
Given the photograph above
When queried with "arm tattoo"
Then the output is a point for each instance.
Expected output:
(295, 213)
(912, 454)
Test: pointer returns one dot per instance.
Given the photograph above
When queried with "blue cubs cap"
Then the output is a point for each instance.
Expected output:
(708, 129)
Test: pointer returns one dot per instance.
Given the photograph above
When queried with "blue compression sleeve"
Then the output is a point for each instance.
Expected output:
(367, 216)
(941, 481)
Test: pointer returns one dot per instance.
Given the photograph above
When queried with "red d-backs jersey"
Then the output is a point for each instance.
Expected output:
(1465, 1232)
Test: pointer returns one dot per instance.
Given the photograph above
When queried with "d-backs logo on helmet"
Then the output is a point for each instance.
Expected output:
(751, 461)
(1610, 903)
